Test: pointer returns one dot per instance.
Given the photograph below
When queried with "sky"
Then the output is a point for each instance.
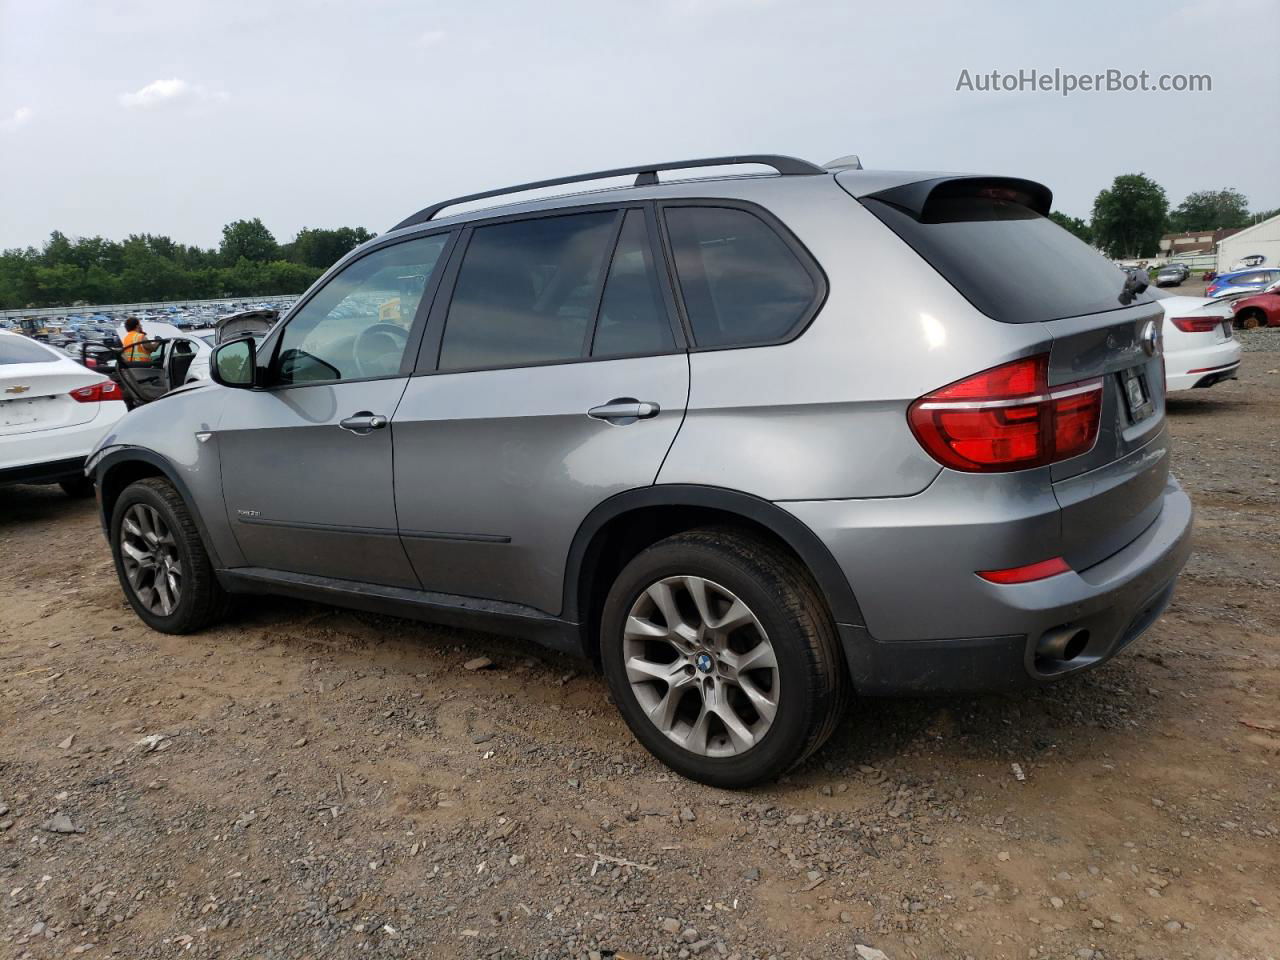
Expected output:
(177, 116)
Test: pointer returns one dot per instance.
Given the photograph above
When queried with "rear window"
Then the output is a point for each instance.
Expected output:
(15, 349)
(1010, 262)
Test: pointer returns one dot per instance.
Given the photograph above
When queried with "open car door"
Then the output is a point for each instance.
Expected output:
(142, 371)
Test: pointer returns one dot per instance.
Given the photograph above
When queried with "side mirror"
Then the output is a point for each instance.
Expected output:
(234, 364)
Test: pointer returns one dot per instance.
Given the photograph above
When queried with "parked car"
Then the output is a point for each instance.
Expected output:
(52, 412)
(672, 428)
(1200, 348)
(1172, 275)
(1260, 310)
(174, 358)
(1242, 281)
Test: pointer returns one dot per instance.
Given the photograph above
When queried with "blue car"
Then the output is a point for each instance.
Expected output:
(1243, 281)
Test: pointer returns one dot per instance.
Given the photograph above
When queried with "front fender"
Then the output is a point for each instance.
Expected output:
(177, 440)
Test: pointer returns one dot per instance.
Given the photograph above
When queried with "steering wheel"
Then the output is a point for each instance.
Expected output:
(377, 349)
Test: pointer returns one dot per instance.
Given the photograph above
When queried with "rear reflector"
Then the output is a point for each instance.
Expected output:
(1008, 418)
(98, 392)
(1032, 571)
(1197, 324)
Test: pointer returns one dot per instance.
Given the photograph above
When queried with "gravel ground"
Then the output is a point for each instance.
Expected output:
(305, 782)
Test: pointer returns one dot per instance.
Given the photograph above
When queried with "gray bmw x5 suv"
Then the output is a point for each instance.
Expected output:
(755, 444)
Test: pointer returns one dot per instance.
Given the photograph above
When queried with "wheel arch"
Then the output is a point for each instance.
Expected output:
(125, 465)
(617, 529)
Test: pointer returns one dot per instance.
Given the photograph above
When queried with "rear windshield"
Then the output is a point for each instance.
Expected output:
(1010, 262)
(21, 350)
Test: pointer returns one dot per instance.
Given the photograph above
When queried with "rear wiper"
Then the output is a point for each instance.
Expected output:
(1133, 285)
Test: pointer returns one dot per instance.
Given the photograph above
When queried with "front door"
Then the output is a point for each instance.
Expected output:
(142, 371)
(552, 379)
(306, 461)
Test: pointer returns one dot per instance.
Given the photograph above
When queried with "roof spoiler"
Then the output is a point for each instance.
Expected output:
(917, 198)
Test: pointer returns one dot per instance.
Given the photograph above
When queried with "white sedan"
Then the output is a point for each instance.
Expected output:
(1200, 348)
(52, 413)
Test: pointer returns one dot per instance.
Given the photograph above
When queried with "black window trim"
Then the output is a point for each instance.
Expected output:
(271, 343)
(802, 254)
(428, 362)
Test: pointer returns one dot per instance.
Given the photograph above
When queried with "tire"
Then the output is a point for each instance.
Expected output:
(808, 683)
(151, 514)
(77, 487)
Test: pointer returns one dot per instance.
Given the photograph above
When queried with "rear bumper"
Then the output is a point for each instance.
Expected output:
(51, 472)
(1203, 366)
(1115, 601)
(43, 452)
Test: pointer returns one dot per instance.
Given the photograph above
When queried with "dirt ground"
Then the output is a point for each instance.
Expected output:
(307, 782)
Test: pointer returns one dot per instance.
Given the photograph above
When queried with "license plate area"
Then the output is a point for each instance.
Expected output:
(1136, 393)
(17, 413)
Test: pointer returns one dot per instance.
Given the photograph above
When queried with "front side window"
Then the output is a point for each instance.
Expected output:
(526, 292)
(740, 281)
(358, 325)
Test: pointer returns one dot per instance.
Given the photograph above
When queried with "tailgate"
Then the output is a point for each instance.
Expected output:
(1112, 493)
(37, 396)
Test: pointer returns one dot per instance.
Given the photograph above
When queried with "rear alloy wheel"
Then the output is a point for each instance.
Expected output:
(722, 658)
(701, 666)
(161, 561)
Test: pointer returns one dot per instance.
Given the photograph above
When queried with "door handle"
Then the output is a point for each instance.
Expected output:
(624, 410)
(363, 423)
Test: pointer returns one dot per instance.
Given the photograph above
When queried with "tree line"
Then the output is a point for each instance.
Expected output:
(144, 267)
(1131, 216)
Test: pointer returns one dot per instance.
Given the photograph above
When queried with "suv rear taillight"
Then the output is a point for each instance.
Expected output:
(1008, 418)
(1197, 324)
(98, 392)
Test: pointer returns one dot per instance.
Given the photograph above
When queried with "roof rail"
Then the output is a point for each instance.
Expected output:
(646, 175)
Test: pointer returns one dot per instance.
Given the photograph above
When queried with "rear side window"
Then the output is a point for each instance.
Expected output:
(15, 349)
(741, 283)
(1010, 262)
(527, 292)
(633, 318)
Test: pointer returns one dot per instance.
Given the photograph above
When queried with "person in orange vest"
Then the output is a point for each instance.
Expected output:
(135, 349)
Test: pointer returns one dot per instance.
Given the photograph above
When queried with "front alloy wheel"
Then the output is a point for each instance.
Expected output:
(161, 561)
(150, 558)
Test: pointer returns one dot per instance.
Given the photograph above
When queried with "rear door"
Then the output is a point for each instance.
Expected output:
(553, 376)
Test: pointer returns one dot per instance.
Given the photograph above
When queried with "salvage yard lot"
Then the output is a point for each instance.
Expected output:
(309, 782)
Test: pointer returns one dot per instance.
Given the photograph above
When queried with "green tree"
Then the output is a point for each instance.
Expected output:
(1073, 225)
(323, 248)
(1211, 210)
(247, 239)
(1130, 216)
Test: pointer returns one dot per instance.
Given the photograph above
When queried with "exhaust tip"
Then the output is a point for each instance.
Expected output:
(1062, 644)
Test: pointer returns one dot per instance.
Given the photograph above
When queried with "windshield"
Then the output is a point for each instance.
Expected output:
(1010, 262)
(15, 349)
